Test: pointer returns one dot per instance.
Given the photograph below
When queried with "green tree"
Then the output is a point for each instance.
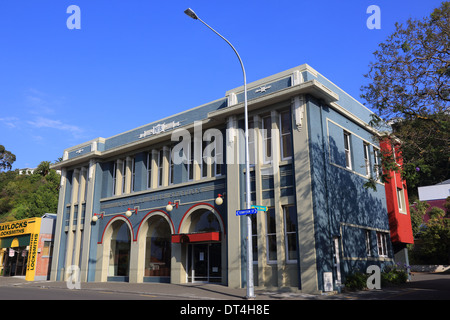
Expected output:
(28, 195)
(6, 159)
(409, 88)
(432, 244)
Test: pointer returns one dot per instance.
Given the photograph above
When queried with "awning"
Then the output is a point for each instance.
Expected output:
(196, 237)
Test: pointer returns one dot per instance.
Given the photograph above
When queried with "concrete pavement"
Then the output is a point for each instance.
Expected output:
(432, 286)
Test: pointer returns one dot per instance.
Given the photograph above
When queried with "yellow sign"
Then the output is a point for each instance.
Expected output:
(19, 227)
(29, 226)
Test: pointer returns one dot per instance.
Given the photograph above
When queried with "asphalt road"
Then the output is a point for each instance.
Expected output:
(424, 286)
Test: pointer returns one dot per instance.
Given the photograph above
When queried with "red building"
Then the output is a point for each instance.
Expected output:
(397, 205)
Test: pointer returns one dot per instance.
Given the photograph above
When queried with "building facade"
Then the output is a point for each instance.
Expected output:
(26, 247)
(158, 203)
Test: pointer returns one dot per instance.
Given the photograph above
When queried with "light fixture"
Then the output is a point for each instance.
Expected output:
(219, 199)
(169, 206)
(129, 212)
(96, 215)
(191, 13)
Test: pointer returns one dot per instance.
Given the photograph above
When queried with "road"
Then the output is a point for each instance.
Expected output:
(424, 286)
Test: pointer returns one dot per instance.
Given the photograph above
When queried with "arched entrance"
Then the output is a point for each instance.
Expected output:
(201, 237)
(119, 251)
(158, 250)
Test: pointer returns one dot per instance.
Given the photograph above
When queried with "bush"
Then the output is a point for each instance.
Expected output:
(356, 281)
(393, 275)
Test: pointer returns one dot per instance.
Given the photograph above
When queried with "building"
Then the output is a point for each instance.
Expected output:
(158, 203)
(435, 195)
(26, 247)
(397, 205)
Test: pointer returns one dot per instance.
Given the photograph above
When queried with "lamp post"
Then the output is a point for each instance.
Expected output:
(250, 289)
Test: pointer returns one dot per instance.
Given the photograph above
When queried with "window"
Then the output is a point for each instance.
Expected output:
(271, 236)
(149, 170)
(114, 178)
(368, 247)
(191, 161)
(160, 167)
(366, 159)
(377, 164)
(285, 135)
(290, 231)
(401, 200)
(124, 175)
(133, 173)
(267, 138)
(348, 155)
(205, 159)
(254, 238)
(382, 244)
(212, 157)
(218, 158)
(251, 142)
(47, 250)
(170, 166)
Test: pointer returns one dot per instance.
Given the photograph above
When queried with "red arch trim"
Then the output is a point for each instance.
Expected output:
(115, 218)
(198, 204)
(144, 218)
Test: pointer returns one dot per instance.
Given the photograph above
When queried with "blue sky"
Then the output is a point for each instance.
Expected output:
(134, 61)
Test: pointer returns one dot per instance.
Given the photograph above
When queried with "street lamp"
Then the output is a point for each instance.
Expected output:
(250, 289)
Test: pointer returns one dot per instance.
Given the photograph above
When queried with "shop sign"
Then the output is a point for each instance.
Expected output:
(13, 228)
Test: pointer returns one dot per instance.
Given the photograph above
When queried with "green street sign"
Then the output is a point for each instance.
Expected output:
(260, 208)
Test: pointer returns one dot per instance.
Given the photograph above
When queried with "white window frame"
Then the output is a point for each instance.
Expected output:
(367, 158)
(288, 133)
(401, 200)
(377, 164)
(368, 246)
(348, 150)
(382, 244)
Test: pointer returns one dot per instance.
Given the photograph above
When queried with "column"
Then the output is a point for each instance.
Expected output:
(70, 233)
(233, 204)
(303, 194)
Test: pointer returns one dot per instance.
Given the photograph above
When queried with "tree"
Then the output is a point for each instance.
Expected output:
(28, 195)
(409, 89)
(432, 238)
(6, 159)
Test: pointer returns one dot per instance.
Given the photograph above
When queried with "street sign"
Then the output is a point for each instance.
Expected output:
(245, 212)
(260, 208)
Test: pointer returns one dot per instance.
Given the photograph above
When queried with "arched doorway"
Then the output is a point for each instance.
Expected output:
(201, 235)
(119, 253)
(158, 249)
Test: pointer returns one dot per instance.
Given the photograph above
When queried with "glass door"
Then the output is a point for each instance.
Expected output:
(204, 262)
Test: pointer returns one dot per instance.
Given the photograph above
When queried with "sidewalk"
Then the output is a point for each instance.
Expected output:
(422, 283)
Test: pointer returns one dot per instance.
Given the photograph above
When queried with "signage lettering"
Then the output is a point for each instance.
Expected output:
(13, 228)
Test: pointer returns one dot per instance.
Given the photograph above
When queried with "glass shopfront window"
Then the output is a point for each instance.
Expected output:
(119, 263)
(158, 248)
